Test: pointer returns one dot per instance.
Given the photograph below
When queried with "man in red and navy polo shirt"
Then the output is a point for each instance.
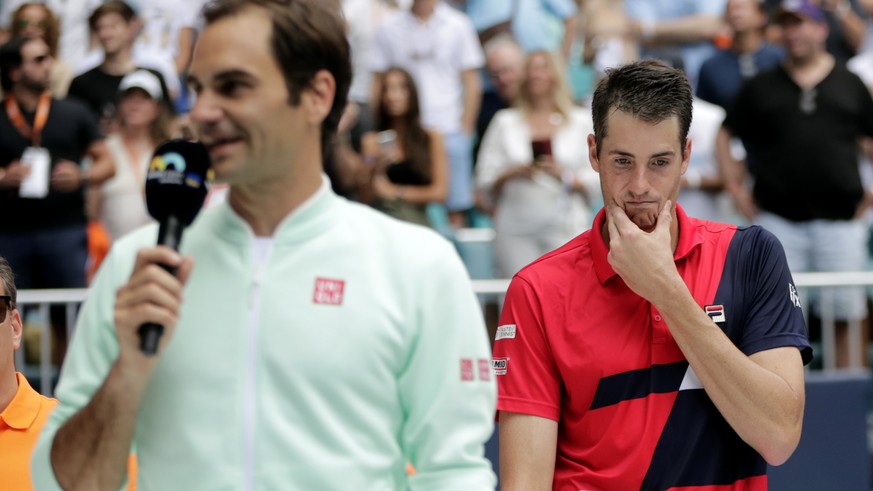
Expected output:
(655, 351)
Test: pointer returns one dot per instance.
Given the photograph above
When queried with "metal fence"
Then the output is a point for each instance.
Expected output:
(38, 302)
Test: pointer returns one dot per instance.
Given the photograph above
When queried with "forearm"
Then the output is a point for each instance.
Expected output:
(90, 451)
(102, 168)
(853, 27)
(733, 172)
(761, 406)
(683, 30)
(421, 194)
(472, 100)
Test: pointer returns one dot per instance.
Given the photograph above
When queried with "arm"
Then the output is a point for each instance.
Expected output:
(527, 452)
(472, 99)
(494, 167)
(761, 396)
(90, 449)
(733, 174)
(102, 167)
(569, 36)
(689, 29)
(853, 26)
(186, 48)
(446, 389)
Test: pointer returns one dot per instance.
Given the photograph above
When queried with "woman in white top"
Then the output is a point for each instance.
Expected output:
(144, 121)
(533, 168)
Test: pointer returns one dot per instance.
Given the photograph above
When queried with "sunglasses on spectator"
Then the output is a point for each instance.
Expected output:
(5, 306)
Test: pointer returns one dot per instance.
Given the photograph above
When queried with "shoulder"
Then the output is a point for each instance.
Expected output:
(400, 241)
(70, 106)
(506, 116)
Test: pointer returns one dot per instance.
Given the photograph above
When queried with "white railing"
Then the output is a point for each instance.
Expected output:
(42, 299)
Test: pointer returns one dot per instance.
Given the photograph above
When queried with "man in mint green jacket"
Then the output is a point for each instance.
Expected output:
(310, 343)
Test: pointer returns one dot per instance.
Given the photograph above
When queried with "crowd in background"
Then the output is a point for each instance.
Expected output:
(462, 114)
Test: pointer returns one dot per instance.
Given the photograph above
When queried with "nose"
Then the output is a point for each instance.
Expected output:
(639, 181)
(205, 109)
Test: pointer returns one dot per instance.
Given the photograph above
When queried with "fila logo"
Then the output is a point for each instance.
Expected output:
(715, 312)
(328, 292)
(792, 294)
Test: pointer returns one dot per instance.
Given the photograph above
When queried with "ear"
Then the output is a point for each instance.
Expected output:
(17, 329)
(592, 154)
(317, 98)
(687, 157)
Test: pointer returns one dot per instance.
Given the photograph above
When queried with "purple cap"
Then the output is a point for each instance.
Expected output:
(804, 9)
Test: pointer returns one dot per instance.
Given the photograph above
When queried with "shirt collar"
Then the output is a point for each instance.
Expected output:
(24, 408)
(689, 239)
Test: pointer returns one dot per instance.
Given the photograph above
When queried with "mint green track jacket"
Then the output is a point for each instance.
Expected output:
(353, 346)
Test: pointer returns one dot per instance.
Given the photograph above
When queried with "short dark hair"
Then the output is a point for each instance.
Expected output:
(111, 7)
(649, 90)
(11, 59)
(8, 280)
(308, 36)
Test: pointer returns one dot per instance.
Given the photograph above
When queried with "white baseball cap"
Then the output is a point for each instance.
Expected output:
(145, 80)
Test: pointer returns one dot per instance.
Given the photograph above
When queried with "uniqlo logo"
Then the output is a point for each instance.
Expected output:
(466, 369)
(484, 370)
(328, 292)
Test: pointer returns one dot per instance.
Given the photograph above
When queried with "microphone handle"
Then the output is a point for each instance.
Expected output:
(169, 234)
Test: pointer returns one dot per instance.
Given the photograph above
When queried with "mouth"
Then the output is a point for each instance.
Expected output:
(219, 147)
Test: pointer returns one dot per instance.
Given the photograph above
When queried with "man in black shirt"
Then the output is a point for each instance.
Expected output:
(800, 124)
(115, 25)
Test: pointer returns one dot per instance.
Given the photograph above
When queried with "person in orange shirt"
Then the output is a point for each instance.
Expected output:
(23, 411)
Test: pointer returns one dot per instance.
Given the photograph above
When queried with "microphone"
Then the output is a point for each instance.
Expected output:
(175, 190)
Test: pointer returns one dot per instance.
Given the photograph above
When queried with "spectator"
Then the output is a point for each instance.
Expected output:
(115, 25)
(320, 345)
(846, 26)
(655, 351)
(144, 121)
(670, 29)
(438, 46)
(504, 62)
(532, 168)
(364, 18)
(722, 75)
(408, 163)
(45, 239)
(37, 20)
(800, 124)
(23, 411)
(604, 28)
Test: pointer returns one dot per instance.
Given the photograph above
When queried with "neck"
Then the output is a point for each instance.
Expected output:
(27, 98)
(811, 62)
(8, 388)
(423, 10)
(136, 134)
(747, 41)
(541, 105)
(263, 205)
(118, 63)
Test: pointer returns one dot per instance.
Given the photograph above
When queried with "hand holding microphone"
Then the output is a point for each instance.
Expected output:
(175, 190)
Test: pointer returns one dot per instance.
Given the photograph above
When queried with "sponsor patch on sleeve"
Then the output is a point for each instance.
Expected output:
(500, 365)
(467, 374)
(505, 332)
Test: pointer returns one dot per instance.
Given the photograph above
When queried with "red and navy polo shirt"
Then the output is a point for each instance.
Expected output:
(577, 346)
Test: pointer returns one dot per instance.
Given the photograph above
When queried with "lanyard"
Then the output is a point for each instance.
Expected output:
(34, 134)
